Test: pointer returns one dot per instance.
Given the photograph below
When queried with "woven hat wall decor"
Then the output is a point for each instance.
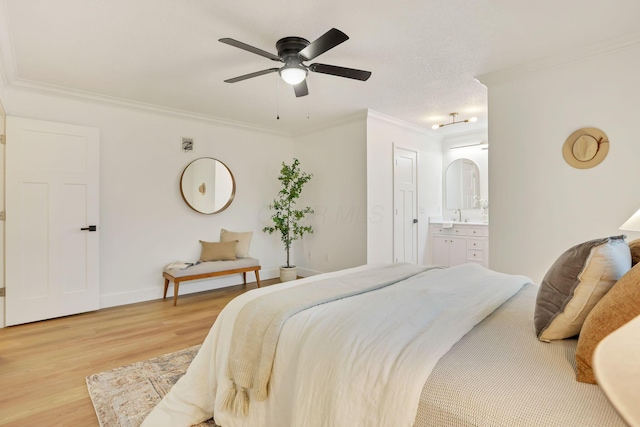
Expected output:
(586, 148)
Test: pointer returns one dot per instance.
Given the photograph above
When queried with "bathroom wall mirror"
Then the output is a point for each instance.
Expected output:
(207, 185)
(461, 184)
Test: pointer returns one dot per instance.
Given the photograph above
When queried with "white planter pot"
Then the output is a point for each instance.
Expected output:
(288, 273)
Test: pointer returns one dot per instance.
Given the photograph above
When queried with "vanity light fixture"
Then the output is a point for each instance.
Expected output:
(483, 145)
(453, 121)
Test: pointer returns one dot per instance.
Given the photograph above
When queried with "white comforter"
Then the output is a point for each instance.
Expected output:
(358, 361)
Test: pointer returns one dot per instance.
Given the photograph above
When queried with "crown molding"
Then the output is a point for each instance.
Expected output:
(371, 114)
(359, 116)
(476, 134)
(585, 53)
(29, 86)
(8, 75)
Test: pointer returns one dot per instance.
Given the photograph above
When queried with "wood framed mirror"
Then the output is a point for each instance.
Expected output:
(207, 185)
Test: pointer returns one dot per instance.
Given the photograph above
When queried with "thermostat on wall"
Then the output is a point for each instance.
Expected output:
(187, 144)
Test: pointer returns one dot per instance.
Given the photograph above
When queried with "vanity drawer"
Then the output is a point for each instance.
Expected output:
(476, 244)
(478, 231)
(475, 255)
(455, 230)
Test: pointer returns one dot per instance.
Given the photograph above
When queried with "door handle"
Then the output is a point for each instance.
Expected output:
(90, 228)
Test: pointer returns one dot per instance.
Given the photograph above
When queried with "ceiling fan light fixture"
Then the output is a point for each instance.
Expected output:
(293, 52)
(293, 73)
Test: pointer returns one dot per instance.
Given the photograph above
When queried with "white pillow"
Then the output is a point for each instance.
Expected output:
(243, 238)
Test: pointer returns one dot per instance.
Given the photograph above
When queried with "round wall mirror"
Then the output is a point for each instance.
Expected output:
(461, 184)
(207, 185)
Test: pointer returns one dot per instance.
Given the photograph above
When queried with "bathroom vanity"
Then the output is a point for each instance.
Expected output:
(453, 242)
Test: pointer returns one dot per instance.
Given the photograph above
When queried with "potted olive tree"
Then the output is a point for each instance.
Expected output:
(286, 218)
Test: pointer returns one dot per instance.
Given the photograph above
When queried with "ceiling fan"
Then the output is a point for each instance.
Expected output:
(293, 51)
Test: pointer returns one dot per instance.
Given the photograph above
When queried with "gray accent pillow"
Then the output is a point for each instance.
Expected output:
(578, 279)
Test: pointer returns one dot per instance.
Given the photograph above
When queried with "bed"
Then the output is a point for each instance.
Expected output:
(371, 359)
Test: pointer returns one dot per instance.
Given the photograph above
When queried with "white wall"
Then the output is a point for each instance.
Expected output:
(540, 206)
(479, 156)
(338, 194)
(144, 223)
(382, 133)
(2, 83)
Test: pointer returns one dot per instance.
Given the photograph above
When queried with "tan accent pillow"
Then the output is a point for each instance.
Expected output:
(218, 251)
(634, 246)
(575, 283)
(619, 306)
(242, 237)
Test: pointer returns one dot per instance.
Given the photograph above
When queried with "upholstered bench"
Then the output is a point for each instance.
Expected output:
(209, 269)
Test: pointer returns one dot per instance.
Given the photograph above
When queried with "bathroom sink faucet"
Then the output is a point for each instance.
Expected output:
(459, 212)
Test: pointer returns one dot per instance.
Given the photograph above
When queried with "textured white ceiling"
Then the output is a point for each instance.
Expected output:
(423, 54)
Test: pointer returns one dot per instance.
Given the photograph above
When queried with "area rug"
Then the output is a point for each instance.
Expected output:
(123, 397)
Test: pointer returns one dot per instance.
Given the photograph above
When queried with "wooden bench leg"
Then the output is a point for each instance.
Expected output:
(176, 286)
(176, 280)
(166, 287)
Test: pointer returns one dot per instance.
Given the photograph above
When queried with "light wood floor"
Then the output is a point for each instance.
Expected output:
(43, 365)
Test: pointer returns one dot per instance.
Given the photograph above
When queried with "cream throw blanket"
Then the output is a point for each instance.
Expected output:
(258, 325)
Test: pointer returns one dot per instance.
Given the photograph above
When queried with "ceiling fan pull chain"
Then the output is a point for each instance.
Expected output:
(307, 82)
(277, 99)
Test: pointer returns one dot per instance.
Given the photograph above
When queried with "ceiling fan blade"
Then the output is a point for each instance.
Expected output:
(328, 40)
(349, 73)
(249, 48)
(251, 75)
(301, 89)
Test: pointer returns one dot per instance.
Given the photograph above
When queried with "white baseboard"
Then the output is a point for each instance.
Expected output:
(155, 292)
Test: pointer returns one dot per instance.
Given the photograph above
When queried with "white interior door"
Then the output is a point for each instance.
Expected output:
(51, 195)
(405, 200)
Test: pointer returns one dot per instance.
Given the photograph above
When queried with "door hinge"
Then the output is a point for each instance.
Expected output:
(1, 215)
(1, 139)
(2, 292)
